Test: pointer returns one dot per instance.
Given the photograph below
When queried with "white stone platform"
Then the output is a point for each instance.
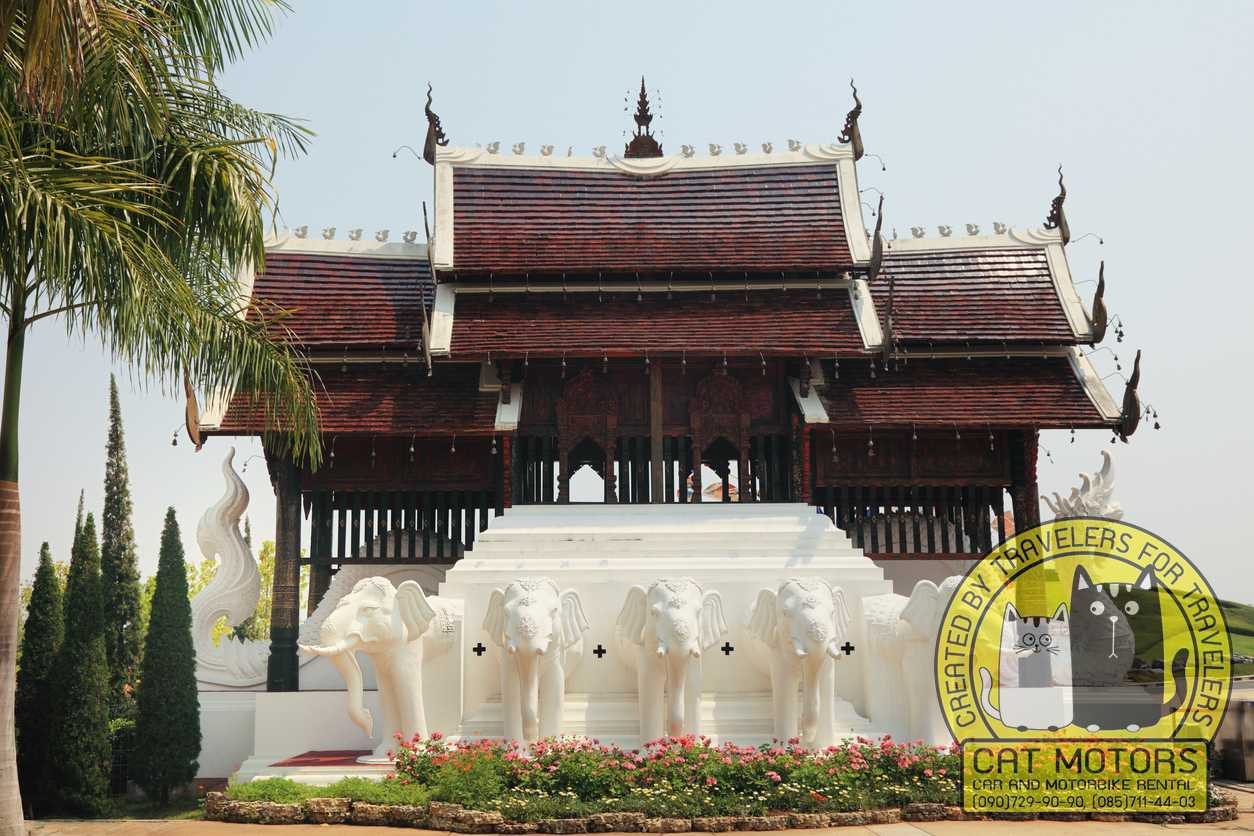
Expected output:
(601, 551)
(737, 549)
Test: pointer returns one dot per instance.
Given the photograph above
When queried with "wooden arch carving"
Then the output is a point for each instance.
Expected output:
(586, 410)
(717, 410)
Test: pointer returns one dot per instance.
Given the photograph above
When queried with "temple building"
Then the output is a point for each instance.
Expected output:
(648, 314)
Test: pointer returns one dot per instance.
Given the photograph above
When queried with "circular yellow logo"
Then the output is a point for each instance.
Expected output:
(1083, 628)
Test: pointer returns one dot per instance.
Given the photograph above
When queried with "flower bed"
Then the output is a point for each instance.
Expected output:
(576, 785)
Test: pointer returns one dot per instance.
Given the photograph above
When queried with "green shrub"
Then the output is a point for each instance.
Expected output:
(279, 790)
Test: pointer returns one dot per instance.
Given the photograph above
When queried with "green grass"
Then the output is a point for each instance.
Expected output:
(181, 809)
(284, 791)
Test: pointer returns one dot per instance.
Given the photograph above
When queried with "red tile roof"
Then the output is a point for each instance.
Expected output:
(385, 400)
(337, 300)
(972, 295)
(1000, 392)
(748, 218)
(771, 322)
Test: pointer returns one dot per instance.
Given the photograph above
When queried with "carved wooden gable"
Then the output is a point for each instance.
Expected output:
(717, 408)
(586, 407)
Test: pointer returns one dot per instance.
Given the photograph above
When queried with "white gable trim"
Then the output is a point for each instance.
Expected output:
(1093, 385)
(507, 414)
(864, 312)
(286, 242)
(442, 320)
(811, 406)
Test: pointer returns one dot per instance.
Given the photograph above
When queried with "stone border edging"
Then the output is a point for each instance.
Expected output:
(439, 815)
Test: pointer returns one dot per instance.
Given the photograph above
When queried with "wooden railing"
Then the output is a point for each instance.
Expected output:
(917, 521)
(393, 527)
(537, 458)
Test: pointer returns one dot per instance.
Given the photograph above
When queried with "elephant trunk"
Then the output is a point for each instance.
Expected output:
(345, 662)
(811, 668)
(677, 663)
(529, 692)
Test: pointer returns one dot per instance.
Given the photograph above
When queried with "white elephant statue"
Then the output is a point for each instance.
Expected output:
(803, 625)
(666, 628)
(901, 633)
(386, 623)
(541, 631)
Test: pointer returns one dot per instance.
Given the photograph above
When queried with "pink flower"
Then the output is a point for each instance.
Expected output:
(774, 776)
(711, 781)
(437, 735)
(928, 773)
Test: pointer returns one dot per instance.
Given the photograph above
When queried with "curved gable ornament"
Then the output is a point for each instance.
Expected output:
(233, 592)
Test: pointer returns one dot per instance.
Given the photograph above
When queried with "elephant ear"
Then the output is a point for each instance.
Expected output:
(763, 618)
(713, 626)
(840, 612)
(494, 620)
(416, 612)
(574, 622)
(919, 610)
(632, 617)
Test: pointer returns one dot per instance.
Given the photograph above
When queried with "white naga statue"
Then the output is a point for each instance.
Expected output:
(665, 628)
(387, 624)
(541, 629)
(901, 689)
(1092, 498)
(803, 625)
(232, 593)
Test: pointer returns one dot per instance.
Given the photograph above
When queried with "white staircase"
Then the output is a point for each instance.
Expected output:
(720, 537)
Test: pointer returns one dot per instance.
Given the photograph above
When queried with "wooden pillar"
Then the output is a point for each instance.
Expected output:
(1025, 495)
(282, 673)
(807, 475)
(319, 582)
(797, 455)
(657, 462)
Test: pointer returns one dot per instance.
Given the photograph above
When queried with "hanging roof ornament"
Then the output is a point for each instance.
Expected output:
(851, 133)
(1130, 415)
(643, 145)
(877, 245)
(1057, 217)
(435, 133)
(1100, 318)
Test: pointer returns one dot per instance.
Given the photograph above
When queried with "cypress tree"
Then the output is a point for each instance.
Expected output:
(45, 629)
(167, 733)
(79, 748)
(119, 571)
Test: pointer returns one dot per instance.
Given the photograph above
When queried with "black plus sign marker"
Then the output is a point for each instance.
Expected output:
(599, 651)
(479, 649)
(847, 648)
(727, 648)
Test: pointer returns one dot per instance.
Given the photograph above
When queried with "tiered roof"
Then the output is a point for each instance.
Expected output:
(730, 254)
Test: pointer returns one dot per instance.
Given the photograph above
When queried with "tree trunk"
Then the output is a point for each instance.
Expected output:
(10, 566)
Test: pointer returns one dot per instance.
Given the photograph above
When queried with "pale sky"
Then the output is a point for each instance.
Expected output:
(972, 106)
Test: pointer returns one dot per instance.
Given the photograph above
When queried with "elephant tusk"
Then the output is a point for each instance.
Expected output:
(320, 649)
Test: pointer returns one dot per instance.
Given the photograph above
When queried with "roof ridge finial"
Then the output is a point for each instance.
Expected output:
(1057, 218)
(643, 145)
(1130, 414)
(1100, 319)
(851, 133)
(435, 133)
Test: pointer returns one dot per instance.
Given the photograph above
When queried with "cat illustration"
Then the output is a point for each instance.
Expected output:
(1034, 672)
(1116, 638)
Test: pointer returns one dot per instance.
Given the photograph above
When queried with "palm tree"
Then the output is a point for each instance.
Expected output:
(132, 193)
